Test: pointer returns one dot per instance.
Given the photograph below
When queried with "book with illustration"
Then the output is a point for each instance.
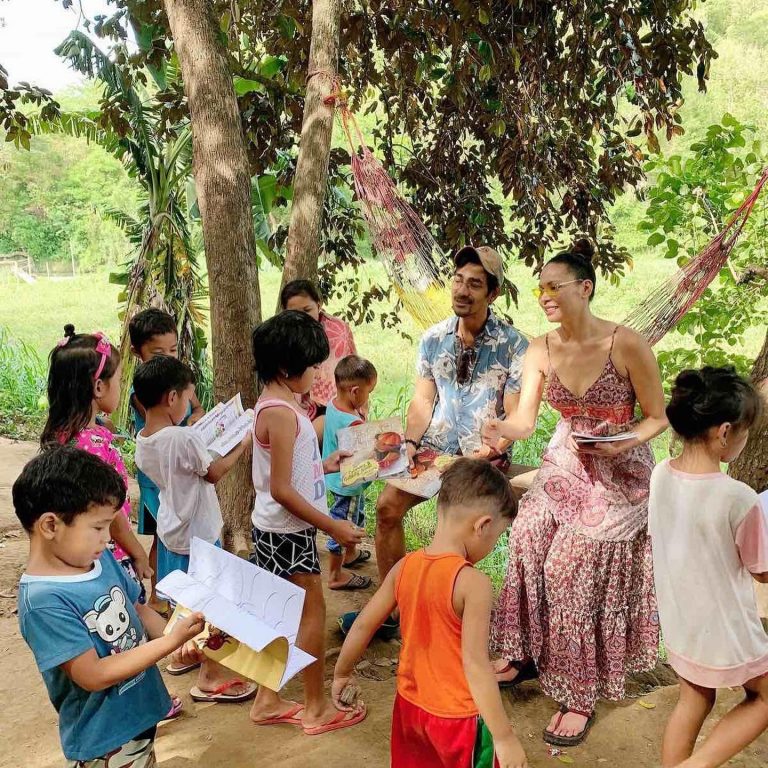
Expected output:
(252, 616)
(224, 426)
(425, 477)
(377, 450)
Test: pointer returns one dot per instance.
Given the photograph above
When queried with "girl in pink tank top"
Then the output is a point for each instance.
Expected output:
(288, 478)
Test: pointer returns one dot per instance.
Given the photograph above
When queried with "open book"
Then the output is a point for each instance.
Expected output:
(224, 426)
(426, 476)
(253, 616)
(584, 438)
(377, 448)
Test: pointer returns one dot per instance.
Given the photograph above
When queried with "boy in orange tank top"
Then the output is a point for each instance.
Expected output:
(448, 711)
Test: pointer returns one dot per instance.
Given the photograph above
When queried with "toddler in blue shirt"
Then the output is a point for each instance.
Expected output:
(95, 645)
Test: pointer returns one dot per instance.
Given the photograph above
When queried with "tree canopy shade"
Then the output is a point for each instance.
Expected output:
(547, 101)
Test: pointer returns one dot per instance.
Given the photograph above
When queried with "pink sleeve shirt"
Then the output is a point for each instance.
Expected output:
(98, 441)
(752, 540)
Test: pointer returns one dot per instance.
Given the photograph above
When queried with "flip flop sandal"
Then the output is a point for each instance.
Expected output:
(363, 556)
(526, 670)
(176, 706)
(356, 582)
(182, 669)
(219, 695)
(569, 741)
(339, 721)
(288, 718)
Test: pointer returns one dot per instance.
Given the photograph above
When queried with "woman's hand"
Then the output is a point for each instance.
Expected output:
(606, 450)
(491, 433)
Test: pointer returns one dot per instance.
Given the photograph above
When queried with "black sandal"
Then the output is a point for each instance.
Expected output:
(526, 670)
(569, 741)
(363, 556)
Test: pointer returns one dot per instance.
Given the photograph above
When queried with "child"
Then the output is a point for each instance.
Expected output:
(83, 381)
(153, 332)
(448, 709)
(291, 505)
(355, 380)
(79, 614)
(710, 540)
(177, 461)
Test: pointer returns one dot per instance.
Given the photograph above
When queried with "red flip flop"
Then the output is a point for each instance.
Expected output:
(288, 718)
(220, 696)
(339, 721)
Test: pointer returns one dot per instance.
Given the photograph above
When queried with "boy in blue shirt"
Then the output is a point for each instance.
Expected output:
(152, 333)
(355, 380)
(95, 645)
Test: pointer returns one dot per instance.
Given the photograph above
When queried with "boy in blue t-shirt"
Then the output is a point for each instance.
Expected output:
(152, 333)
(355, 380)
(79, 614)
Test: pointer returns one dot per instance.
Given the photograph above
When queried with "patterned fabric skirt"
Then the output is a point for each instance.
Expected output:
(582, 608)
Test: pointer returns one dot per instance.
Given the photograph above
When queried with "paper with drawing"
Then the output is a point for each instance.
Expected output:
(255, 614)
(224, 426)
(425, 478)
(377, 448)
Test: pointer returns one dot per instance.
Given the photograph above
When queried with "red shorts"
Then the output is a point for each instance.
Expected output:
(423, 740)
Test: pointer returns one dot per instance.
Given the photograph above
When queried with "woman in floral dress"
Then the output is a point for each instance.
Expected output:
(578, 598)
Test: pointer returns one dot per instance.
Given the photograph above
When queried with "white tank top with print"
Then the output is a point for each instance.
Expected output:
(307, 475)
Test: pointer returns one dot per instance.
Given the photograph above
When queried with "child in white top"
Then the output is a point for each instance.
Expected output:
(288, 477)
(177, 461)
(710, 542)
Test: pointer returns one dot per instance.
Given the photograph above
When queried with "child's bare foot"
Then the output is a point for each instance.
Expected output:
(328, 718)
(217, 683)
(275, 712)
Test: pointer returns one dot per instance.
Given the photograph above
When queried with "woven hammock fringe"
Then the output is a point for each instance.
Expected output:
(420, 271)
(662, 309)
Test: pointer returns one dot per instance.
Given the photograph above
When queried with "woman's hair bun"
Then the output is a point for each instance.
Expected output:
(69, 329)
(584, 249)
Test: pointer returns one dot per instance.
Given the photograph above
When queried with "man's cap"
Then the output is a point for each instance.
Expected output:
(487, 256)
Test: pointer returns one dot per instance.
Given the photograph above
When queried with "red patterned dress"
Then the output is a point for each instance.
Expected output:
(578, 596)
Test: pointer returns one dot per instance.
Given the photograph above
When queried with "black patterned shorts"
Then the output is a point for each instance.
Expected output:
(286, 554)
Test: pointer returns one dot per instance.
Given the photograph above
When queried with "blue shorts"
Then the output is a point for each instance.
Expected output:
(350, 508)
(149, 504)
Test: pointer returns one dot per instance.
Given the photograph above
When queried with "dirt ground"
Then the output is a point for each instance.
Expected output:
(218, 735)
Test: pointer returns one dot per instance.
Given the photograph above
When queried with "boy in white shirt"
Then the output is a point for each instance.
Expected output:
(177, 461)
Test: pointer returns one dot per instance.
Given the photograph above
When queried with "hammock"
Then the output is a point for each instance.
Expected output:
(421, 272)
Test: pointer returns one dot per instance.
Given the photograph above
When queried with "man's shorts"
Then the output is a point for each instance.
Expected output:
(350, 508)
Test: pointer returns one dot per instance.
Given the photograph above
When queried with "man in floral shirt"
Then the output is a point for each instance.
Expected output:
(468, 371)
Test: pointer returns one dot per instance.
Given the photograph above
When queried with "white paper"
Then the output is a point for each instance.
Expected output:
(214, 428)
(245, 601)
(233, 435)
(584, 437)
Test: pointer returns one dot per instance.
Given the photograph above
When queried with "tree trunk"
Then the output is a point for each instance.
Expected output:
(222, 180)
(311, 179)
(752, 466)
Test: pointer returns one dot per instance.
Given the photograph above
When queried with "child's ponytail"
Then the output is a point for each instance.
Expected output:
(711, 397)
(76, 362)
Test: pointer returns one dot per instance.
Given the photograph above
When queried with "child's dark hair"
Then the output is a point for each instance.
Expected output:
(73, 364)
(578, 259)
(158, 376)
(66, 481)
(288, 344)
(353, 369)
(299, 288)
(468, 481)
(710, 397)
(149, 323)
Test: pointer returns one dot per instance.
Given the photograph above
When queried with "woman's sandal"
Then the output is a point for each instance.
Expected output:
(220, 696)
(526, 670)
(569, 741)
(363, 556)
(356, 582)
